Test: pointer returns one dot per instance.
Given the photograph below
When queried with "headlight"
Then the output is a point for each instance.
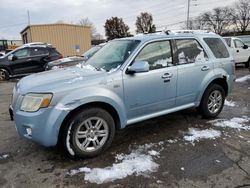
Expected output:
(32, 102)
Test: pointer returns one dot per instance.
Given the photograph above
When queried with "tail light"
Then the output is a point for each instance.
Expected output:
(60, 56)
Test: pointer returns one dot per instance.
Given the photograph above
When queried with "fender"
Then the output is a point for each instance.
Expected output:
(208, 79)
(6, 68)
(85, 96)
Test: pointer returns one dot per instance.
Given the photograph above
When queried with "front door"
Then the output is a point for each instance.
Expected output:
(150, 92)
(240, 55)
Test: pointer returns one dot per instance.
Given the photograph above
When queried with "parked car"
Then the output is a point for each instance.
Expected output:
(129, 80)
(29, 58)
(241, 51)
(75, 60)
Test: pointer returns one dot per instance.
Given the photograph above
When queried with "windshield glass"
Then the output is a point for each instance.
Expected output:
(113, 54)
(91, 51)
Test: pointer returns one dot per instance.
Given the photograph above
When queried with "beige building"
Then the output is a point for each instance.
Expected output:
(68, 39)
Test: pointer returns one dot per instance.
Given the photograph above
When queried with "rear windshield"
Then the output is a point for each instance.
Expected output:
(217, 47)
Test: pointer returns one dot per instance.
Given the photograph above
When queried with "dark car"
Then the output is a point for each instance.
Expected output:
(75, 60)
(29, 58)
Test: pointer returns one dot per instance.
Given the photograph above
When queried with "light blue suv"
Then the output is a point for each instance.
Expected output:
(129, 80)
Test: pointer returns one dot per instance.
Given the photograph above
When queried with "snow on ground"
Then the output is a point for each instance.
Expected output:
(235, 123)
(243, 79)
(195, 134)
(137, 162)
(230, 103)
(4, 156)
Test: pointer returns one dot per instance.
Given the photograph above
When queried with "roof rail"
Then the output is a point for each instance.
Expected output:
(191, 31)
(37, 44)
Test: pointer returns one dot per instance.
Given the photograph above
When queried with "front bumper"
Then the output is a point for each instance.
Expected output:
(41, 127)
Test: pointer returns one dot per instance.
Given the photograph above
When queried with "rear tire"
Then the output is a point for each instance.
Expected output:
(212, 101)
(4, 74)
(247, 64)
(88, 133)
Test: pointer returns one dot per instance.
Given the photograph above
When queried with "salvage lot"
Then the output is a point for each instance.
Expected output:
(166, 147)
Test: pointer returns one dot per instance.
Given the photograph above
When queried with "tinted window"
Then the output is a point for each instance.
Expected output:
(238, 43)
(157, 54)
(53, 52)
(189, 51)
(217, 47)
(228, 41)
(22, 53)
(38, 51)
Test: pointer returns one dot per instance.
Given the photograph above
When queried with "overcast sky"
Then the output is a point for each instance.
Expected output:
(166, 13)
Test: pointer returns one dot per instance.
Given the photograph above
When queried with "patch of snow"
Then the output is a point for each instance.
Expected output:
(75, 80)
(159, 181)
(70, 150)
(88, 67)
(153, 153)
(217, 161)
(114, 69)
(136, 163)
(61, 106)
(170, 141)
(197, 134)
(235, 123)
(4, 156)
(230, 103)
(55, 67)
(182, 168)
(163, 62)
(243, 79)
(241, 136)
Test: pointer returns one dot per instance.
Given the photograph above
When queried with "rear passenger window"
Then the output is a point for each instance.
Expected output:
(217, 47)
(190, 51)
(157, 54)
(38, 51)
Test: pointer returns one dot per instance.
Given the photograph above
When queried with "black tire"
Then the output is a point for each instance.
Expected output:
(4, 74)
(247, 64)
(79, 123)
(215, 109)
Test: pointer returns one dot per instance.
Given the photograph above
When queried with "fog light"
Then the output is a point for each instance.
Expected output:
(29, 131)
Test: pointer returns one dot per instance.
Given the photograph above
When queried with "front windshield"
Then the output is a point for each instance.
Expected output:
(91, 51)
(113, 54)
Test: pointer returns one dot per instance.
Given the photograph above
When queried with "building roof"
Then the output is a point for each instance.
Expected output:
(54, 24)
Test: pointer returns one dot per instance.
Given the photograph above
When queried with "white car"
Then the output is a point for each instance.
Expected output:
(241, 51)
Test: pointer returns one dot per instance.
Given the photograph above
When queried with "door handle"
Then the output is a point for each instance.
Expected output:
(167, 76)
(205, 68)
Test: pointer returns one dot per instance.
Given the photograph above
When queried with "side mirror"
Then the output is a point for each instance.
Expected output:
(12, 57)
(245, 46)
(138, 66)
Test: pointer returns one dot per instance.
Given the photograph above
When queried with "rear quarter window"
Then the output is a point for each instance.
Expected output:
(217, 47)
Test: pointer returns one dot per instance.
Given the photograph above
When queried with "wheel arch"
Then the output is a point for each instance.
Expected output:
(103, 105)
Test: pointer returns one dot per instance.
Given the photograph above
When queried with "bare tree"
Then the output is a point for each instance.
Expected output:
(116, 28)
(242, 15)
(218, 20)
(144, 23)
(87, 22)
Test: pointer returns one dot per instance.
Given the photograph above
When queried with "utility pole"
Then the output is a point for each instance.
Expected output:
(28, 17)
(188, 14)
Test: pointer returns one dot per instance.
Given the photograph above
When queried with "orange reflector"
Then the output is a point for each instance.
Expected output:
(45, 103)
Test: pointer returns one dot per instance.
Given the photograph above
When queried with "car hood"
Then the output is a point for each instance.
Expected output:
(60, 79)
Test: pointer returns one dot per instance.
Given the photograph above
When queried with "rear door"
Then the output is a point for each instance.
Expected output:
(193, 65)
(38, 59)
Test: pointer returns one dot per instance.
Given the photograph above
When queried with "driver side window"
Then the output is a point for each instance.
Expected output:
(157, 54)
(238, 43)
(22, 53)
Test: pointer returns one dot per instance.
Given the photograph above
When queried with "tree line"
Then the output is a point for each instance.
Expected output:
(221, 20)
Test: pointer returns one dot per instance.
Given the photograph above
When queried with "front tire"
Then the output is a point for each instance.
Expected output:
(89, 133)
(212, 101)
(4, 74)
